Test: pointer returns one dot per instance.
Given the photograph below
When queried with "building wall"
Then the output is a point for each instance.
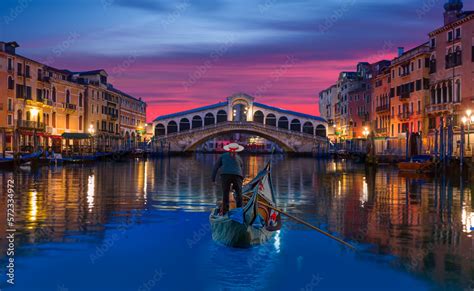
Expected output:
(381, 117)
(410, 86)
(444, 99)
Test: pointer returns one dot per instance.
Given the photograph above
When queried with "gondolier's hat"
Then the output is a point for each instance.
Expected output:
(233, 148)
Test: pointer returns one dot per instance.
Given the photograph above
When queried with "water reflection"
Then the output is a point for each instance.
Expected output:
(426, 222)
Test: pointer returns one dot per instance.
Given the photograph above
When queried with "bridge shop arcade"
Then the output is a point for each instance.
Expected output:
(293, 131)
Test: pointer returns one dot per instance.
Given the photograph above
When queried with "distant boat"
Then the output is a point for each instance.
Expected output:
(78, 159)
(417, 164)
(253, 223)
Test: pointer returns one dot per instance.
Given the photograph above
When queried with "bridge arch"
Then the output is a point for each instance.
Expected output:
(160, 129)
(172, 127)
(308, 128)
(295, 125)
(196, 122)
(258, 117)
(271, 119)
(283, 122)
(184, 124)
(205, 137)
(321, 130)
(209, 119)
(221, 116)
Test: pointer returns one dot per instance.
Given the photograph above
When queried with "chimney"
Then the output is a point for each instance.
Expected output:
(401, 50)
(452, 10)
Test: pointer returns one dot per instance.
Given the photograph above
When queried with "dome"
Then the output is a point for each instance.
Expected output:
(453, 5)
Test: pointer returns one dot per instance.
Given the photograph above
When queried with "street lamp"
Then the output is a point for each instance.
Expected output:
(468, 119)
(365, 132)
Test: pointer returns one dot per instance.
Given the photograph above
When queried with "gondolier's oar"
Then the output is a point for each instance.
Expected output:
(307, 224)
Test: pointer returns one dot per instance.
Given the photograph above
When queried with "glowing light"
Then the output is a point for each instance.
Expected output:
(467, 219)
(468, 112)
(464, 119)
(365, 193)
(90, 192)
(33, 205)
(277, 242)
(144, 182)
(34, 112)
(91, 129)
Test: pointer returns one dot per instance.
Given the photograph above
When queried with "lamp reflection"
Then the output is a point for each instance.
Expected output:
(90, 192)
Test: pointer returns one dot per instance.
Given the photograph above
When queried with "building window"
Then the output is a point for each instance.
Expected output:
(19, 69)
(27, 71)
(11, 83)
(80, 99)
(450, 36)
(10, 64)
(458, 33)
(67, 121)
(53, 119)
(418, 85)
(10, 119)
(433, 43)
(80, 122)
(68, 97)
(54, 94)
(10, 105)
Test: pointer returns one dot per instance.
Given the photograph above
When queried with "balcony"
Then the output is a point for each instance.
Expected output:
(11, 70)
(405, 115)
(30, 124)
(69, 106)
(381, 130)
(382, 108)
(443, 107)
(112, 117)
(48, 102)
(404, 96)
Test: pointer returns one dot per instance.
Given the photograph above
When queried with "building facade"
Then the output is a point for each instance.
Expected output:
(451, 67)
(39, 103)
(410, 89)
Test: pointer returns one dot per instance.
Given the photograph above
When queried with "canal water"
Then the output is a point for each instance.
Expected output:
(143, 225)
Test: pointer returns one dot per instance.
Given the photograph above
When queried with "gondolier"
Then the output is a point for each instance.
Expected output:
(231, 168)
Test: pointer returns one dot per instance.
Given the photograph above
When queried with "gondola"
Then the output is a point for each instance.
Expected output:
(417, 164)
(253, 223)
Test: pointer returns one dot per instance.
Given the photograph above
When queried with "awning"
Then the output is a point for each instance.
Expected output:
(76, 135)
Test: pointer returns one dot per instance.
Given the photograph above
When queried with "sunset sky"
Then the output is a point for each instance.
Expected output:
(177, 55)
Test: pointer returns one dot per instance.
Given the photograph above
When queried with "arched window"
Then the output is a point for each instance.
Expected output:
(308, 128)
(11, 83)
(270, 119)
(160, 130)
(184, 124)
(221, 116)
(209, 119)
(295, 125)
(172, 127)
(197, 122)
(258, 116)
(321, 130)
(68, 97)
(54, 94)
(283, 122)
(458, 91)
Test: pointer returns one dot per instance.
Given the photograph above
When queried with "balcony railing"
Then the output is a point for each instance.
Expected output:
(404, 115)
(404, 96)
(443, 107)
(30, 124)
(48, 102)
(381, 130)
(70, 106)
(382, 108)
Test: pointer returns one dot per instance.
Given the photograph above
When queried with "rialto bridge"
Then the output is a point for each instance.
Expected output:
(292, 131)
